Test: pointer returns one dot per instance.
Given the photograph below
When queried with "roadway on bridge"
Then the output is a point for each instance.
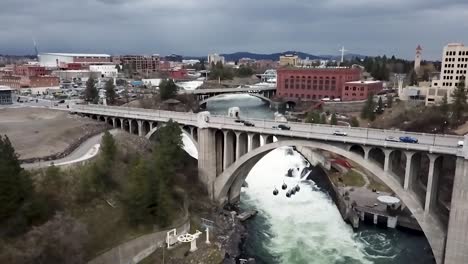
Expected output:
(432, 143)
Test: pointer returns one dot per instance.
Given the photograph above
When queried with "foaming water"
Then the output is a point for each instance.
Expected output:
(305, 225)
(307, 228)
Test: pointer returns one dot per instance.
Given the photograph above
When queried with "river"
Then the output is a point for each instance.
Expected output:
(307, 228)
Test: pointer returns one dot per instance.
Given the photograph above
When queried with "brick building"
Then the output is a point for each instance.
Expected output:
(11, 81)
(141, 64)
(359, 90)
(30, 70)
(42, 81)
(314, 83)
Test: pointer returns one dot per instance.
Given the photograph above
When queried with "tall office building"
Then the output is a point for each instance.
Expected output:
(454, 70)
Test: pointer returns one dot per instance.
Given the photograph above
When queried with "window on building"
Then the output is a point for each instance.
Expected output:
(308, 96)
(286, 86)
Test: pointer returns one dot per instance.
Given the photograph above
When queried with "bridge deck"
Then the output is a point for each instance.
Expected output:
(441, 144)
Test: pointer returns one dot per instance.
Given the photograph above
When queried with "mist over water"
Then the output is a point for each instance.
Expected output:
(308, 228)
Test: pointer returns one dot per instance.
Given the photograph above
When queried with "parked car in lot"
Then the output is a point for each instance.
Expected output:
(340, 133)
(249, 124)
(392, 138)
(284, 127)
(408, 139)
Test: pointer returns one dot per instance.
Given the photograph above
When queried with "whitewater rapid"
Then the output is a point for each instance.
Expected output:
(306, 228)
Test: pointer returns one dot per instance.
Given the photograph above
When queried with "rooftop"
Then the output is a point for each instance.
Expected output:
(5, 88)
(76, 54)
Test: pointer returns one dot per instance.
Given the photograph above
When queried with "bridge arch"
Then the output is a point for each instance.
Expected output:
(229, 182)
(203, 103)
(153, 131)
(358, 150)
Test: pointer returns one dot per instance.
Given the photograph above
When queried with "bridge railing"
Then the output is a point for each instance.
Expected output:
(261, 123)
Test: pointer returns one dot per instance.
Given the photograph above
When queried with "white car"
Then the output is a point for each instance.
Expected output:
(340, 133)
(393, 139)
(460, 144)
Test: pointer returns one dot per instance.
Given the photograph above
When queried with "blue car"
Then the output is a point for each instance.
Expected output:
(408, 139)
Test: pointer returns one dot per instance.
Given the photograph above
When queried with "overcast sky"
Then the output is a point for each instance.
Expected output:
(198, 27)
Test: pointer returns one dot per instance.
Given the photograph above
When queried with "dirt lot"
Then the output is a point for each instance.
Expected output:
(38, 132)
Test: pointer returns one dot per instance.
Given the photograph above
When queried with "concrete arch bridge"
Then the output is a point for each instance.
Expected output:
(431, 177)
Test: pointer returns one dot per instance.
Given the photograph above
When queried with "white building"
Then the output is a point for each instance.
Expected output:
(55, 60)
(107, 71)
(454, 69)
(215, 58)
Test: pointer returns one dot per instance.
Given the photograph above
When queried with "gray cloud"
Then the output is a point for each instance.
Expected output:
(196, 27)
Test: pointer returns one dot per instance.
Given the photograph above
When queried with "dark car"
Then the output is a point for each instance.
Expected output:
(249, 124)
(284, 127)
(408, 139)
(61, 101)
(239, 121)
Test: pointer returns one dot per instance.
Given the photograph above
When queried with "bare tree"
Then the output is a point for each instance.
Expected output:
(60, 240)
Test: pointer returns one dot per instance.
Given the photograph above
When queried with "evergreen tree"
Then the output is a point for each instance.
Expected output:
(91, 93)
(313, 117)
(110, 91)
(109, 148)
(368, 109)
(413, 77)
(380, 106)
(168, 89)
(15, 184)
(389, 100)
(149, 197)
(354, 122)
(333, 120)
(459, 102)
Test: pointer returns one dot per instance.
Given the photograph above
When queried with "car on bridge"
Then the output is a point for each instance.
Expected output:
(392, 139)
(282, 127)
(408, 139)
(340, 133)
(239, 121)
(249, 124)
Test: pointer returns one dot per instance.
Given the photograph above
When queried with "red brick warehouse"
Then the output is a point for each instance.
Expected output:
(314, 83)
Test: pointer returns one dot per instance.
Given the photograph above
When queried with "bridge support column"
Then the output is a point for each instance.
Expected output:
(140, 128)
(151, 125)
(228, 150)
(263, 140)
(250, 142)
(114, 124)
(207, 157)
(387, 162)
(366, 152)
(409, 170)
(241, 145)
(457, 239)
(122, 125)
(432, 182)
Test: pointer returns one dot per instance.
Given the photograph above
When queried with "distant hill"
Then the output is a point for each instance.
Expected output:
(275, 56)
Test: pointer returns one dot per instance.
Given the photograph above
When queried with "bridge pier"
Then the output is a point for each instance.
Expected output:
(207, 158)
(140, 128)
(387, 162)
(410, 170)
(432, 183)
(457, 236)
(114, 123)
(122, 126)
(229, 146)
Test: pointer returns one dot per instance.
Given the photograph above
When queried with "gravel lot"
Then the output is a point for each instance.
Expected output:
(38, 132)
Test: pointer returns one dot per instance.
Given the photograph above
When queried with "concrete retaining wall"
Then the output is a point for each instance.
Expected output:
(137, 249)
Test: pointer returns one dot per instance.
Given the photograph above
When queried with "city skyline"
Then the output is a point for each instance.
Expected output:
(196, 28)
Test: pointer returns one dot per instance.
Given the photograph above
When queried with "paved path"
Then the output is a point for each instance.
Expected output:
(85, 151)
